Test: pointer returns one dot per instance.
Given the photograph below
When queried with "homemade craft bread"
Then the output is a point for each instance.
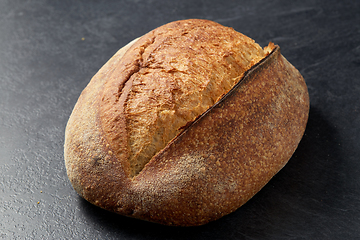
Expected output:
(185, 124)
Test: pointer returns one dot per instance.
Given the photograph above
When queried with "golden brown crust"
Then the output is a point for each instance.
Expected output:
(168, 78)
(219, 162)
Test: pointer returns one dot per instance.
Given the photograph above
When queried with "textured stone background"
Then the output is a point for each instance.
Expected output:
(49, 50)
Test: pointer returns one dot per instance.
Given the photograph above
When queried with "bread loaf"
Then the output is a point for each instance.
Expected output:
(185, 124)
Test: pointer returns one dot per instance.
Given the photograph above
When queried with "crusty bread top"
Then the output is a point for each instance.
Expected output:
(220, 160)
(166, 79)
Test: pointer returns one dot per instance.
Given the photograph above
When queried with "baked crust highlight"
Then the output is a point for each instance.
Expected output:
(216, 164)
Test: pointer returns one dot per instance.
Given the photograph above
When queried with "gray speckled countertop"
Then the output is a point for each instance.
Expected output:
(49, 50)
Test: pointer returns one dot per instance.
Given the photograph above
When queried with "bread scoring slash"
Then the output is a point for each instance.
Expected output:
(185, 124)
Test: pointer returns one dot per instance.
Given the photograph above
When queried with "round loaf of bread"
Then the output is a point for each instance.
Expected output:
(185, 124)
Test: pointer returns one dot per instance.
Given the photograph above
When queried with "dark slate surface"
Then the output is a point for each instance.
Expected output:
(49, 50)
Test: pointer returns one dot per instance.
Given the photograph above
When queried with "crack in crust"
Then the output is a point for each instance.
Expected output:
(168, 78)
